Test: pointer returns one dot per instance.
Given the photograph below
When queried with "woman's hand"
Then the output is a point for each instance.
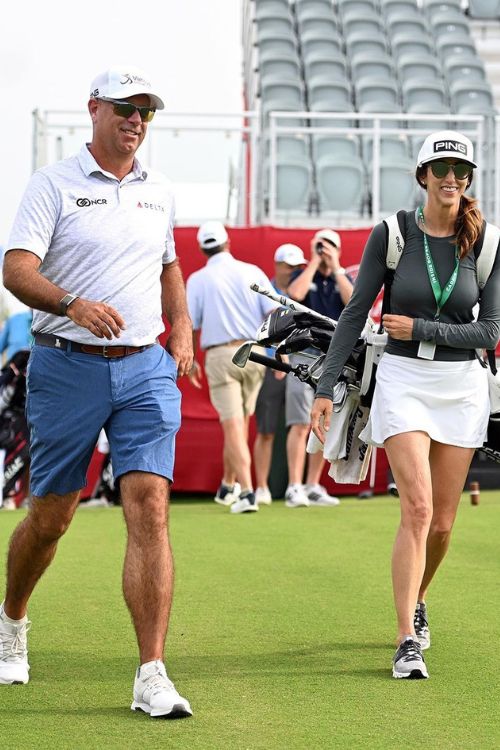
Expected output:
(398, 327)
(320, 417)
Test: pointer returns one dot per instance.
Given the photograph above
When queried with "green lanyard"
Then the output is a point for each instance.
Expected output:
(440, 295)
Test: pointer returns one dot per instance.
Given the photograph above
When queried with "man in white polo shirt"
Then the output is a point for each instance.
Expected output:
(92, 252)
(228, 313)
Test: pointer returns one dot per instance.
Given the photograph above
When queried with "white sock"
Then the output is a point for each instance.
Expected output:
(5, 618)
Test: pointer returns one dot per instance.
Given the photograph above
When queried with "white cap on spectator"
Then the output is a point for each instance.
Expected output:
(123, 82)
(211, 234)
(445, 144)
(329, 235)
(291, 254)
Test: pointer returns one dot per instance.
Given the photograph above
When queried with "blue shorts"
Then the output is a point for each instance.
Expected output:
(72, 395)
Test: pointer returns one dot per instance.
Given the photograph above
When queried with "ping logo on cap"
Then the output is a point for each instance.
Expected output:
(457, 146)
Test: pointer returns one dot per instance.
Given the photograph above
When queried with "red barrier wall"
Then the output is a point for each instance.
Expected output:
(199, 443)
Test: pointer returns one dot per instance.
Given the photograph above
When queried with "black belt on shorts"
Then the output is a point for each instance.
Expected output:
(110, 352)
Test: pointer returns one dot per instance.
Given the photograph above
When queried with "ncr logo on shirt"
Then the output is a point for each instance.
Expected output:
(84, 202)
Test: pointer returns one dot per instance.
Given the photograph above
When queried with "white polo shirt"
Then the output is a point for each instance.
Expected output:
(221, 302)
(99, 238)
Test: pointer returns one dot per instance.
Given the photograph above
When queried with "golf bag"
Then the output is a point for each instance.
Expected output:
(298, 331)
(289, 331)
(14, 434)
(492, 446)
(107, 487)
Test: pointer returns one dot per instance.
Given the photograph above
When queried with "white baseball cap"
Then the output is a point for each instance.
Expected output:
(211, 234)
(122, 82)
(329, 235)
(291, 254)
(445, 144)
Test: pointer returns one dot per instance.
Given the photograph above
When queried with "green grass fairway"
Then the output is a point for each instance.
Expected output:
(282, 636)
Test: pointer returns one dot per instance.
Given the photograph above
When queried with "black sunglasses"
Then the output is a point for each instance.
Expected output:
(126, 109)
(441, 168)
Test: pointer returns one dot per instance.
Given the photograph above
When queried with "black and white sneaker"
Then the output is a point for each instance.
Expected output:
(246, 503)
(408, 662)
(227, 495)
(421, 625)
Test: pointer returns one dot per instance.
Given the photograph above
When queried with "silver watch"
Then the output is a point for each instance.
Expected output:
(66, 302)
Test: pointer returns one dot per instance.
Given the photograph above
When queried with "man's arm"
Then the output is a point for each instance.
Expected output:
(22, 277)
(331, 258)
(300, 286)
(174, 306)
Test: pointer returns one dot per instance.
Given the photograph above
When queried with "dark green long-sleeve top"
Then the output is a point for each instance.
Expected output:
(456, 334)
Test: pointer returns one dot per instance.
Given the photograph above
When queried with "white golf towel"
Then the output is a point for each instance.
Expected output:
(348, 455)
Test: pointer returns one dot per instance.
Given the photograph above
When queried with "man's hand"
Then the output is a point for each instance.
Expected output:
(330, 256)
(100, 319)
(279, 374)
(398, 327)
(321, 414)
(180, 345)
(195, 374)
(315, 256)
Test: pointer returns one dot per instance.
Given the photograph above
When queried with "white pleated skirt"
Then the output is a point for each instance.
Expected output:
(447, 400)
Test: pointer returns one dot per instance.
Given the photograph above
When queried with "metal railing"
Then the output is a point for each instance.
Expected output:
(474, 126)
(243, 167)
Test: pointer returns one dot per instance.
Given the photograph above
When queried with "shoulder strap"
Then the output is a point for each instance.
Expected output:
(487, 256)
(395, 238)
(395, 226)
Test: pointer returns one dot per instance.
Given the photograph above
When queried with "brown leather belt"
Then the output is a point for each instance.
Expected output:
(236, 342)
(109, 352)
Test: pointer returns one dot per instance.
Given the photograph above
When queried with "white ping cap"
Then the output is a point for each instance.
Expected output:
(445, 144)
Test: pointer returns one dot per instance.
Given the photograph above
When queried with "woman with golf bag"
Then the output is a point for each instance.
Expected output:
(430, 406)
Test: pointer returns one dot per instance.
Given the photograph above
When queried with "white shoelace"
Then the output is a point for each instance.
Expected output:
(15, 644)
(157, 682)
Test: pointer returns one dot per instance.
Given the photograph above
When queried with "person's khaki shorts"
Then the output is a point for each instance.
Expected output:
(233, 390)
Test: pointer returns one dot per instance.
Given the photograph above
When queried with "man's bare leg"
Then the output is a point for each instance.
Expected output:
(33, 546)
(148, 572)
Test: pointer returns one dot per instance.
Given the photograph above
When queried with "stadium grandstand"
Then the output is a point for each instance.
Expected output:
(346, 91)
(338, 96)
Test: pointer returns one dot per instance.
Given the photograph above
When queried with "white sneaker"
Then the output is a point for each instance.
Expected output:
(156, 695)
(246, 504)
(227, 497)
(9, 504)
(421, 625)
(408, 662)
(317, 495)
(95, 502)
(263, 496)
(295, 496)
(14, 667)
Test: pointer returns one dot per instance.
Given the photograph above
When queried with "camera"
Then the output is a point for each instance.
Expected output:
(319, 247)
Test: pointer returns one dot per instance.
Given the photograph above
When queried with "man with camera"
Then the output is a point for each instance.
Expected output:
(324, 286)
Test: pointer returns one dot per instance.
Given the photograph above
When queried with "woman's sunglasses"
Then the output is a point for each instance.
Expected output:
(126, 109)
(441, 168)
